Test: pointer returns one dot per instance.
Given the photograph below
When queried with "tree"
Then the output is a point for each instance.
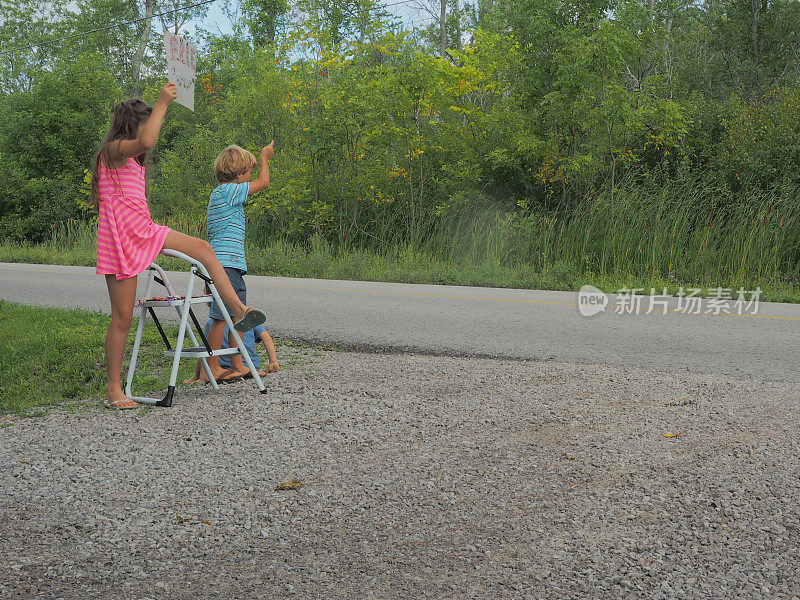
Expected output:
(136, 63)
(446, 30)
(48, 136)
(263, 17)
(25, 25)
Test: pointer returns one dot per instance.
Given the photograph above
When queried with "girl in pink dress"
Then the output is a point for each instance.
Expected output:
(127, 238)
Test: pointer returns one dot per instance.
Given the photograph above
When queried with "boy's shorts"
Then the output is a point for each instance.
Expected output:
(237, 281)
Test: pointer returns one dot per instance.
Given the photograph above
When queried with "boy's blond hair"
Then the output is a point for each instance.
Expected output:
(232, 162)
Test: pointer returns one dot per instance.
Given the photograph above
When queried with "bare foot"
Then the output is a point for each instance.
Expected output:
(197, 372)
(221, 375)
(228, 376)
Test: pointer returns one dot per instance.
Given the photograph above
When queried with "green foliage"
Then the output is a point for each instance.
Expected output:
(526, 145)
(49, 136)
(263, 19)
(48, 356)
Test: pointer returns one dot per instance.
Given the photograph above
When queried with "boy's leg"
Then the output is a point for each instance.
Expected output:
(197, 370)
(225, 361)
(200, 374)
(273, 365)
(237, 364)
(216, 334)
(249, 341)
(222, 339)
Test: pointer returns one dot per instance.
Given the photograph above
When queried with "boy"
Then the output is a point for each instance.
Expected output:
(234, 171)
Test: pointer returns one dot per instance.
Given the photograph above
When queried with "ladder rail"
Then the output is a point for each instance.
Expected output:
(164, 279)
(185, 257)
(167, 400)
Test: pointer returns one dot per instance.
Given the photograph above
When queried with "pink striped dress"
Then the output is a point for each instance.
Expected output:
(127, 239)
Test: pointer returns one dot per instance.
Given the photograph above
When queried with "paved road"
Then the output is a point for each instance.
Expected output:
(524, 324)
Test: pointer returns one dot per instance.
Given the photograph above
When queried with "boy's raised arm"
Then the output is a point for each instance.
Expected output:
(262, 181)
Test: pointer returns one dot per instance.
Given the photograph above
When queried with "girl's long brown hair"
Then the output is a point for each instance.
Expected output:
(125, 121)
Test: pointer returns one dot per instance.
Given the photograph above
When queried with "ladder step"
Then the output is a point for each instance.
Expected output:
(200, 351)
(175, 301)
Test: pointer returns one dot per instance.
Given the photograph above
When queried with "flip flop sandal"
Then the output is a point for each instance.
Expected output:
(249, 375)
(223, 378)
(251, 318)
(126, 404)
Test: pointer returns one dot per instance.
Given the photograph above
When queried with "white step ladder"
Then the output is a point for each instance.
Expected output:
(183, 304)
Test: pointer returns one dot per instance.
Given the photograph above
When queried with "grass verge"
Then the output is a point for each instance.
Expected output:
(283, 259)
(52, 357)
(55, 358)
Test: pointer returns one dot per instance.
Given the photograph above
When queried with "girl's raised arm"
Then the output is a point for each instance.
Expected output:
(149, 130)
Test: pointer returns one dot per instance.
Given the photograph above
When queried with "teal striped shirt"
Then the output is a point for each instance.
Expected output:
(226, 224)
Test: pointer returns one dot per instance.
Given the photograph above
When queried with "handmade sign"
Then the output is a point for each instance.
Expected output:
(181, 66)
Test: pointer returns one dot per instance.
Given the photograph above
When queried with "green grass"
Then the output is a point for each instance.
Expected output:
(653, 235)
(282, 258)
(55, 358)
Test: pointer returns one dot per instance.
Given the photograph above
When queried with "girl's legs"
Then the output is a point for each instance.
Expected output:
(202, 251)
(122, 294)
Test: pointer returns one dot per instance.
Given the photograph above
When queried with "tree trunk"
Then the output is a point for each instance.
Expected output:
(458, 26)
(755, 7)
(667, 55)
(272, 16)
(610, 128)
(443, 28)
(136, 65)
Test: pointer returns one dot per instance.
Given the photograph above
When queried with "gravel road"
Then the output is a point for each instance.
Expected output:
(423, 477)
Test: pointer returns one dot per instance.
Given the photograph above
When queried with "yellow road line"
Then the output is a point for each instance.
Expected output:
(518, 300)
(309, 287)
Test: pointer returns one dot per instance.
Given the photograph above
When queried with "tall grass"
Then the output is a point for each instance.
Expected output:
(686, 233)
(679, 233)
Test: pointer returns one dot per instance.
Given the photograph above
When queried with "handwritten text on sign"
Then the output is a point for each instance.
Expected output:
(181, 66)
